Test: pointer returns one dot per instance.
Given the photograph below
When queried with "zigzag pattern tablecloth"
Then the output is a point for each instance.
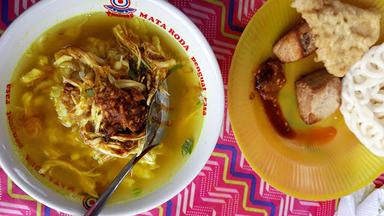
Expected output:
(227, 185)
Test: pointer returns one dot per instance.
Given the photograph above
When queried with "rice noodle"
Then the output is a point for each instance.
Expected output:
(130, 84)
(104, 102)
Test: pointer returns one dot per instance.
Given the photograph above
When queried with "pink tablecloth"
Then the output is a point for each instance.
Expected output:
(227, 185)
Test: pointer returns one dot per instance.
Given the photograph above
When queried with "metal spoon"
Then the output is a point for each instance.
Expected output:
(154, 131)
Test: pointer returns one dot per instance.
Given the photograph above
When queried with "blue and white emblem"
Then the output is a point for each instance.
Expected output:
(121, 7)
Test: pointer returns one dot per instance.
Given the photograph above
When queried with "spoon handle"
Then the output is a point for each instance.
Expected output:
(95, 209)
(98, 206)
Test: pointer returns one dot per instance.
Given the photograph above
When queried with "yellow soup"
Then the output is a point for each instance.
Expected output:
(42, 141)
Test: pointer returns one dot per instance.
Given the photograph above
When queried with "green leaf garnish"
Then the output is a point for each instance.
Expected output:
(174, 68)
(90, 92)
(200, 99)
(132, 74)
(136, 192)
(187, 147)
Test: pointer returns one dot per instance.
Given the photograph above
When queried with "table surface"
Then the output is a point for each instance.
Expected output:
(227, 185)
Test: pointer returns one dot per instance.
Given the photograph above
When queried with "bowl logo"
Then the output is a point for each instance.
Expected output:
(120, 8)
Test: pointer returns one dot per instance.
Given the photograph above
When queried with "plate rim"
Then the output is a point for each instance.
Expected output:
(242, 146)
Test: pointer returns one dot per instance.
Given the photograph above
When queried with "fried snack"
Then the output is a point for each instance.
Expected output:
(295, 45)
(318, 96)
(343, 33)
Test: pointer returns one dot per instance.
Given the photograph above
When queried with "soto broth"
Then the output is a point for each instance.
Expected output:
(40, 134)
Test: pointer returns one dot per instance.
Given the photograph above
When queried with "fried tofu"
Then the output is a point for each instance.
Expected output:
(318, 96)
(295, 45)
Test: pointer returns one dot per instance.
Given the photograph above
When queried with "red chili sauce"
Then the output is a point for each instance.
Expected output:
(269, 79)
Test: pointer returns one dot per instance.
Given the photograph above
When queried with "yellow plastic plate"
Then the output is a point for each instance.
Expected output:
(304, 170)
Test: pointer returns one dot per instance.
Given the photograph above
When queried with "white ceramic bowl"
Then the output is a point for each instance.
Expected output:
(47, 13)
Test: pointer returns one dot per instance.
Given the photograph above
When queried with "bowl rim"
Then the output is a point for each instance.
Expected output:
(217, 110)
